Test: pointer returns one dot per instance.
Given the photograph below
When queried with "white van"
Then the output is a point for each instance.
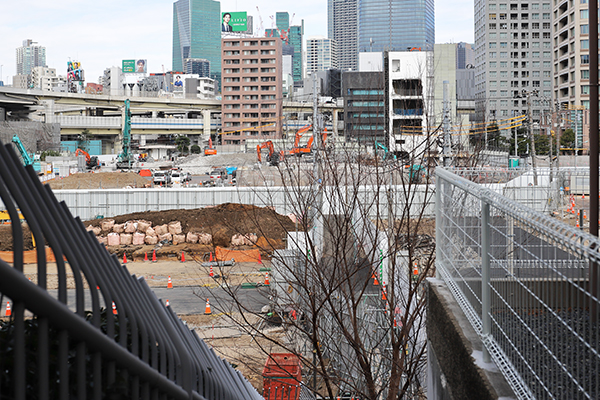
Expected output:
(176, 178)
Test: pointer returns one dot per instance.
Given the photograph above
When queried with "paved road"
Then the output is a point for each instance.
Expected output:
(192, 299)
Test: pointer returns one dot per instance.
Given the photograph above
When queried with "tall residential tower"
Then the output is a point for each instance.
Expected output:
(513, 59)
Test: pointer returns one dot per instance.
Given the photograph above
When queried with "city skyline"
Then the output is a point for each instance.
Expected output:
(101, 35)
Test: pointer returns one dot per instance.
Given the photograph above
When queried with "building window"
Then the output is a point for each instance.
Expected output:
(546, 16)
(492, 16)
(492, 26)
(583, 14)
(585, 74)
(585, 44)
(492, 45)
(585, 89)
(503, 6)
(585, 59)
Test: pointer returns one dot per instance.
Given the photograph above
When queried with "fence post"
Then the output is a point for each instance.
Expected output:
(485, 277)
(438, 226)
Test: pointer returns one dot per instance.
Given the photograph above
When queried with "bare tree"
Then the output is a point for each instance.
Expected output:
(347, 292)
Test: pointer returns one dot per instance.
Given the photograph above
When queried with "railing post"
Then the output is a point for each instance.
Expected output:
(485, 277)
(438, 226)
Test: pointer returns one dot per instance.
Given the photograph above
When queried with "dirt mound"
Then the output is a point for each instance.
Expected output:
(222, 222)
(100, 180)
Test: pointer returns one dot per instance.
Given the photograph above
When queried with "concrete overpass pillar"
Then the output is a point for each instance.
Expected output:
(335, 122)
(49, 111)
(206, 131)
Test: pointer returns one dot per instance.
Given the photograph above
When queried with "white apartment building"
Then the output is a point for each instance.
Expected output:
(410, 103)
(321, 54)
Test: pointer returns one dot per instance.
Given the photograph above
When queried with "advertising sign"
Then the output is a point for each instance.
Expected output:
(74, 71)
(177, 83)
(236, 21)
(134, 66)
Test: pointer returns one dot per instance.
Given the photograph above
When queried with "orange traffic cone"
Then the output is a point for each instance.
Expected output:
(207, 309)
(114, 308)
(169, 283)
(375, 281)
(210, 259)
(211, 273)
(415, 270)
(146, 256)
(182, 256)
(582, 196)
(167, 303)
(584, 216)
(383, 293)
(267, 278)
(8, 311)
(259, 259)
(153, 255)
(124, 258)
(577, 224)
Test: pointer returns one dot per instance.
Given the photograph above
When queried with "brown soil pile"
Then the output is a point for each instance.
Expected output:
(222, 222)
(101, 180)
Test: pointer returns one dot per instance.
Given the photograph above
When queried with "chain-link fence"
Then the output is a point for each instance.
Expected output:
(527, 282)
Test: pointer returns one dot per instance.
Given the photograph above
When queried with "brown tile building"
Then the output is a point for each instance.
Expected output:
(251, 88)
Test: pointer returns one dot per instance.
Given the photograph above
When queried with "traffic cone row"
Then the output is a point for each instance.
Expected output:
(267, 279)
(211, 258)
(169, 283)
(211, 273)
(207, 309)
(153, 255)
(124, 258)
(146, 256)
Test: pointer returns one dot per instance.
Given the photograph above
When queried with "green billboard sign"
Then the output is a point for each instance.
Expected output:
(236, 21)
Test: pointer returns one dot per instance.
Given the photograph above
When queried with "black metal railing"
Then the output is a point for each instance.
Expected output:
(115, 340)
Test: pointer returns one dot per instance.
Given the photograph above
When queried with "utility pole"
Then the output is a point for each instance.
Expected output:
(446, 126)
(531, 138)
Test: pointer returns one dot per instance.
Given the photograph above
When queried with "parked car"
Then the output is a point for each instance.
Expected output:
(161, 178)
(218, 173)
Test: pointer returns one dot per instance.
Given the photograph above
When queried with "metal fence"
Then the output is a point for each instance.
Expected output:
(116, 340)
(528, 284)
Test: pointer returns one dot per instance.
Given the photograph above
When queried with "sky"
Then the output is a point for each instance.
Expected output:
(101, 34)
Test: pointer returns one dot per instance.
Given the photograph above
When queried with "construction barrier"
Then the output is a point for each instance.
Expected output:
(29, 256)
(251, 255)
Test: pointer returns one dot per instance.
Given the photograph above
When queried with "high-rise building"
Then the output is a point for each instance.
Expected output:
(572, 59)
(197, 33)
(252, 89)
(291, 36)
(513, 59)
(321, 54)
(396, 25)
(378, 25)
(199, 66)
(465, 57)
(29, 56)
(342, 26)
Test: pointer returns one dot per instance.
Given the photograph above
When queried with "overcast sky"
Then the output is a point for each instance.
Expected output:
(101, 34)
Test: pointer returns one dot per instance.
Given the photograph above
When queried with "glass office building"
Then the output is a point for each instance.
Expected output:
(379, 25)
(396, 25)
(197, 34)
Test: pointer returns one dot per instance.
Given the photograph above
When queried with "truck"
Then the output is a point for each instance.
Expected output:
(176, 178)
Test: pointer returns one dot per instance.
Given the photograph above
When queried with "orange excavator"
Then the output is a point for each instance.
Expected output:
(301, 150)
(272, 158)
(90, 162)
(210, 150)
